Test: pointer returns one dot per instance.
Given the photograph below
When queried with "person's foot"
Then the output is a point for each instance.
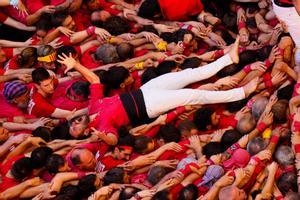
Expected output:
(251, 86)
(234, 51)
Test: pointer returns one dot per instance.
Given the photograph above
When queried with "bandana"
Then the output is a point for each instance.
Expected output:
(48, 58)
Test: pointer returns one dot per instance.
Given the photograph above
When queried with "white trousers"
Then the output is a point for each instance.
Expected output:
(292, 20)
(165, 92)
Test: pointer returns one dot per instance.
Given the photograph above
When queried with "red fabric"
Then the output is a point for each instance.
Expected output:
(296, 88)
(56, 2)
(82, 19)
(175, 191)
(14, 13)
(8, 110)
(12, 64)
(3, 17)
(9, 52)
(168, 155)
(110, 162)
(226, 121)
(87, 59)
(34, 6)
(178, 10)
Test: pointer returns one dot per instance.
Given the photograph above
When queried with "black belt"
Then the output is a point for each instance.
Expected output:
(281, 4)
(135, 107)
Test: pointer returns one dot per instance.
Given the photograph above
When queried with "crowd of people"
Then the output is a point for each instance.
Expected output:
(149, 99)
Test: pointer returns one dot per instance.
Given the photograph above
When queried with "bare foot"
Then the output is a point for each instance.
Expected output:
(234, 51)
(251, 86)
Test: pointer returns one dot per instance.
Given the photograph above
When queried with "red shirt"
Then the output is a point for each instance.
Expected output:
(110, 111)
(14, 13)
(12, 64)
(110, 162)
(3, 17)
(87, 59)
(33, 6)
(9, 52)
(178, 10)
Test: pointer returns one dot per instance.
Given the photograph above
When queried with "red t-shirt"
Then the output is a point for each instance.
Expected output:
(12, 64)
(9, 52)
(14, 13)
(33, 6)
(109, 162)
(87, 59)
(3, 17)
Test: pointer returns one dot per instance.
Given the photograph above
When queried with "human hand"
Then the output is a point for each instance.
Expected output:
(68, 61)
(264, 155)
(25, 77)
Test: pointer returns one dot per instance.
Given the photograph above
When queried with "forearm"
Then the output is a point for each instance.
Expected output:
(15, 191)
(11, 126)
(8, 43)
(51, 36)
(297, 6)
(268, 187)
(5, 147)
(5, 78)
(90, 76)
(33, 191)
(32, 19)
(79, 36)
(18, 25)
(19, 150)
(109, 139)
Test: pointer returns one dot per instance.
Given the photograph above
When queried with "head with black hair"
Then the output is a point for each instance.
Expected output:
(155, 174)
(168, 37)
(128, 192)
(66, 49)
(116, 25)
(72, 191)
(43, 81)
(56, 163)
(162, 195)
(280, 111)
(212, 148)
(21, 169)
(42, 132)
(169, 133)
(125, 51)
(166, 67)
(116, 175)
(28, 57)
(235, 106)
(205, 118)
(287, 182)
(63, 19)
(193, 62)
(285, 92)
(89, 184)
(149, 73)
(149, 9)
(79, 91)
(230, 137)
(39, 156)
(143, 144)
(228, 71)
(61, 131)
(98, 17)
(189, 192)
(184, 35)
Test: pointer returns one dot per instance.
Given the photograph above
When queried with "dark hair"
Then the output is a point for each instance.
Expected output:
(212, 148)
(114, 76)
(39, 157)
(155, 174)
(230, 137)
(87, 185)
(228, 71)
(150, 28)
(125, 51)
(115, 25)
(61, 131)
(58, 18)
(180, 34)
(42, 132)
(115, 175)
(169, 133)
(247, 57)
(193, 62)
(149, 73)
(287, 182)
(165, 67)
(279, 109)
(63, 197)
(225, 34)
(264, 52)
(168, 37)
(251, 23)
(66, 50)
(75, 159)
(80, 88)
(54, 162)
(21, 168)
(44, 23)
(71, 191)
(285, 92)
(149, 9)
(229, 21)
(141, 143)
(236, 105)
(27, 55)
(202, 118)
(255, 145)
(40, 74)
(125, 139)
(127, 193)
(161, 195)
(189, 192)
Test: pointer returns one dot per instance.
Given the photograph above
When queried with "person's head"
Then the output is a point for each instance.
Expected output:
(4, 134)
(43, 81)
(42, 132)
(212, 148)
(248, 57)
(39, 156)
(193, 62)
(78, 126)
(149, 9)
(83, 159)
(116, 175)
(166, 67)
(256, 145)
(28, 57)
(258, 107)
(63, 19)
(116, 77)
(107, 53)
(116, 25)
(47, 56)
(3, 57)
(287, 182)
(212, 174)
(65, 50)
(155, 174)
(128, 192)
(292, 196)
(285, 92)
(279, 110)
(284, 155)
(230, 137)
(125, 51)
(225, 35)
(229, 21)
(251, 25)
(246, 123)
(239, 158)
(235, 106)
(88, 184)
(189, 192)
(263, 53)
(206, 119)
(56, 163)
(99, 16)
(42, 27)
(16, 92)
(228, 71)
(162, 195)
(168, 37)
(232, 193)
(149, 73)
(169, 133)
(79, 91)
(62, 131)
(143, 144)
(69, 191)
(123, 152)
(184, 35)
(187, 128)
(21, 169)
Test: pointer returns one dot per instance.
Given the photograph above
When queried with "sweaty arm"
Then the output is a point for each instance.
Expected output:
(297, 6)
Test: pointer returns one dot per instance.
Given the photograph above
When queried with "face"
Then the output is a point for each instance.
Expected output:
(2, 56)
(69, 23)
(78, 126)
(126, 178)
(64, 168)
(87, 158)
(4, 134)
(128, 81)
(100, 16)
(40, 34)
(22, 101)
(47, 86)
(123, 154)
(151, 146)
(238, 194)
(49, 65)
(215, 119)
(93, 4)
(187, 38)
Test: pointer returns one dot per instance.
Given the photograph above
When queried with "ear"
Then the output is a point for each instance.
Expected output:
(209, 127)
(122, 85)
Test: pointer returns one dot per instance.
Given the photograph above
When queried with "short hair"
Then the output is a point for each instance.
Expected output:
(141, 143)
(125, 51)
(71, 191)
(80, 88)
(21, 168)
(279, 109)
(149, 9)
(114, 76)
(284, 155)
(116, 25)
(39, 156)
(54, 162)
(27, 55)
(155, 174)
(230, 137)
(235, 106)
(258, 107)
(165, 67)
(180, 34)
(107, 53)
(40, 74)
(251, 23)
(149, 73)
(202, 118)
(45, 50)
(212, 148)
(86, 185)
(161, 195)
(42, 132)
(287, 182)
(186, 125)
(61, 131)
(65, 50)
(169, 133)
(168, 37)
(256, 145)
(114, 175)
(228, 71)
(58, 18)
(128, 192)
(229, 21)
(193, 62)
(285, 92)
(244, 125)
(189, 192)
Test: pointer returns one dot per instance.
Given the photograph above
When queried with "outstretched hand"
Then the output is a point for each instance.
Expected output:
(68, 61)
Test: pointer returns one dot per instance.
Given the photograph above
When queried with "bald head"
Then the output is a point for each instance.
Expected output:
(246, 124)
(232, 193)
(258, 107)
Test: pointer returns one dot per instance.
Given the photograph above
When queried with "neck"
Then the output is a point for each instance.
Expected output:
(42, 93)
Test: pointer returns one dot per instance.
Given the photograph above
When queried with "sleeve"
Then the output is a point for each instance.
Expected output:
(3, 17)
(9, 52)
(96, 91)
(41, 108)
